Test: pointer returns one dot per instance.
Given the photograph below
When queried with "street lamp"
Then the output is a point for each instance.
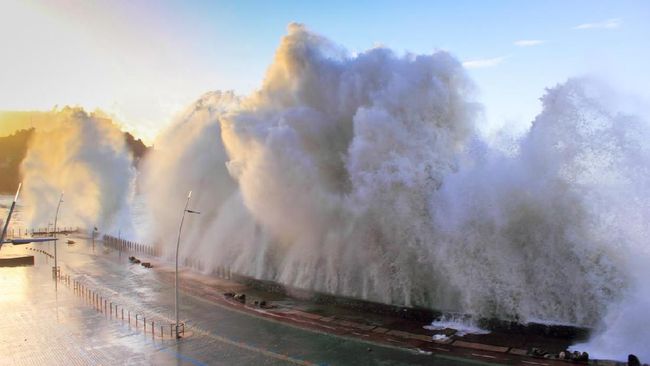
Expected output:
(55, 269)
(94, 233)
(178, 243)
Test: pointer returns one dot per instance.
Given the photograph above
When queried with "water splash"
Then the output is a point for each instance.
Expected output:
(84, 155)
(363, 176)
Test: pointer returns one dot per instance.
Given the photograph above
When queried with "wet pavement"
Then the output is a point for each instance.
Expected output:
(44, 322)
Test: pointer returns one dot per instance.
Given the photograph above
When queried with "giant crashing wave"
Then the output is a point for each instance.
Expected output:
(364, 175)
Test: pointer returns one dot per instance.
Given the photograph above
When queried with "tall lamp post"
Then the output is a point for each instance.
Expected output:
(178, 243)
(94, 233)
(55, 269)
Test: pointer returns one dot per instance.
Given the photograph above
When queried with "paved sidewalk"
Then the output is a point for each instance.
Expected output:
(80, 322)
(46, 325)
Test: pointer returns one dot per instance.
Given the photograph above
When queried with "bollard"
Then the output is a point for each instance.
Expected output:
(136, 320)
(162, 334)
(144, 323)
(153, 334)
(171, 330)
(122, 313)
(129, 314)
(111, 305)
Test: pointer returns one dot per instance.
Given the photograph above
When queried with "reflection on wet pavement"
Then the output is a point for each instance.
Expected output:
(44, 325)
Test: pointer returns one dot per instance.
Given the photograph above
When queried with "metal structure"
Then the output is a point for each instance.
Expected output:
(16, 241)
(178, 243)
(11, 211)
(55, 269)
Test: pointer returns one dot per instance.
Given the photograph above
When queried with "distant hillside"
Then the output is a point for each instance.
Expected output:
(137, 147)
(13, 149)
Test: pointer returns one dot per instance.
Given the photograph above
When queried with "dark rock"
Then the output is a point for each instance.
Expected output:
(632, 360)
(229, 294)
(584, 356)
(241, 298)
(537, 352)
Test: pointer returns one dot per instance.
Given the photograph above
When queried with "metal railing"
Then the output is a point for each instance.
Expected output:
(18, 232)
(131, 246)
(156, 251)
(102, 303)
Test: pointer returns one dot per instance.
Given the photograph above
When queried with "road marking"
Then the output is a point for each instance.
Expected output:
(480, 355)
(534, 363)
(480, 346)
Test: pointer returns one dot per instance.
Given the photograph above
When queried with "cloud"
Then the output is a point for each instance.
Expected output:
(605, 24)
(484, 63)
(529, 42)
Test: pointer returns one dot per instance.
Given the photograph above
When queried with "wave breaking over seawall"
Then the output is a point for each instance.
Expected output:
(84, 155)
(365, 176)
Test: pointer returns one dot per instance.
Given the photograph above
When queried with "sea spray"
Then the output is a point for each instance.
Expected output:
(364, 176)
(189, 155)
(84, 155)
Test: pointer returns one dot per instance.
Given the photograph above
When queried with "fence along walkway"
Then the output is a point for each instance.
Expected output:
(157, 326)
(18, 231)
(156, 251)
(131, 246)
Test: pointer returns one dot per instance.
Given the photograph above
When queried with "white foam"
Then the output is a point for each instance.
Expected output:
(463, 325)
